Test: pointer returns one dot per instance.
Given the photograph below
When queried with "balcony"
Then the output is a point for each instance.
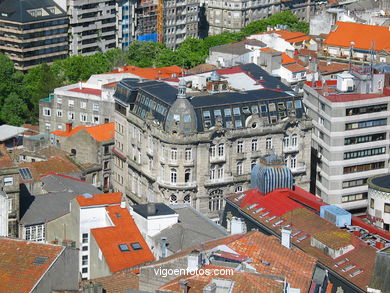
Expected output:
(176, 185)
(298, 169)
(218, 181)
(218, 159)
(290, 149)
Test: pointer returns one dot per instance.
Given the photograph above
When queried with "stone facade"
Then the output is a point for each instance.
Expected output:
(153, 164)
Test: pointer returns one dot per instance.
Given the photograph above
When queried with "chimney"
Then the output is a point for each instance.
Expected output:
(183, 285)
(210, 288)
(163, 247)
(286, 237)
(194, 261)
(123, 204)
(151, 209)
(237, 226)
(69, 126)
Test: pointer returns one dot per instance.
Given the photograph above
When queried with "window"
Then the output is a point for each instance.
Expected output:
(216, 200)
(187, 198)
(85, 260)
(187, 175)
(271, 107)
(322, 106)
(213, 149)
(59, 113)
(173, 154)
(294, 140)
(35, 233)
(173, 176)
(238, 123)
(8, 181)
(321, 135)
(136, 246)
(293, 162)
(206, 115)
(364, 153)
(238, 188)
(354, 197)
(236, 111)
(354, 183)
(59, 100)
(46, 112)
(85, 237)
(263, 108)
(173, 199)
(221, 148)
(83, 105)
(95, 119)
(83, 117)
(220, 172)
(364, 138)
(253, 164)
(365, 110)
(372, 203)
(228, 112)
(217, 113)
(268, 143)
(47, 125)
(124, 247)
(254, 145)
(239, 168)
(387, 208)
(71, 115)
(96, 107)
(321, 120)
(365, 124)
(240, 146)
(212, 172)
(71, 103)
(105, 165)
(188, 154)
(286, 141)
(364, 167)
(298, 104)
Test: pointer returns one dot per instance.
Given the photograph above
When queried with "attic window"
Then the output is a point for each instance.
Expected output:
(124, 247)
(25, 173)
(118, 215)
(40, 260)
(136, 246)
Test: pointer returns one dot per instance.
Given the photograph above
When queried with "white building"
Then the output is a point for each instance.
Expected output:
(4, 209)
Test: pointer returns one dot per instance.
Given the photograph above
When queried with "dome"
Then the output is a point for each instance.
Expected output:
(214, 76)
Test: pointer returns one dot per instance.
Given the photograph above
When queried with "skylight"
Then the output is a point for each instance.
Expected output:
(124, 247)
(25, 173)
(40, 260)
(136, 246)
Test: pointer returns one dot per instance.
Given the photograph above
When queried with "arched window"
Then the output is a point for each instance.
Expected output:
(286, 141)
(221, 149)
(173, 176)
(187, 199)
(216, 200)
(293, 161)
(173, 199)
(239, 168)
(187, 175)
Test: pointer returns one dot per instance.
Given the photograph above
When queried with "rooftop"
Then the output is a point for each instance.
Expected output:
(9, 131)
(291, 37)
(237, 48)
(295, 209)
(122, 245)
(101, 132)
(88, 91)
(59, 165)
(24, 263)
(294, 67)
(151, 73)
(88, 199)
(118, 282)
(382, 181)
(361, 34)
(161, 209)
(5, 158)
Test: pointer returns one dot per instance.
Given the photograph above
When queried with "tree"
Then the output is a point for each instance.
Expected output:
(7, 71)
(14, 110)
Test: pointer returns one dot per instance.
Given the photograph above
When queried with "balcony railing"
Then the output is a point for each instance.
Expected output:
(219, 180)
(176, 184)
(298, 169)
(289, 149)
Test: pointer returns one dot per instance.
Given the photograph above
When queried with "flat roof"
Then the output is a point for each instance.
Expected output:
(161, 210)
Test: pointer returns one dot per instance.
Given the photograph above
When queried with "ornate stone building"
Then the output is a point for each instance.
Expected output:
(198, 142)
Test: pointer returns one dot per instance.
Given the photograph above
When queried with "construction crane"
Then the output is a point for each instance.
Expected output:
(160, 21)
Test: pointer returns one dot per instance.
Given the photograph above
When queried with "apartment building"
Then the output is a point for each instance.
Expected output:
(351, 135)
(181, 21)
(33, 32)
(125, 23)
(83, 104)
(194, 144)
(92, 25)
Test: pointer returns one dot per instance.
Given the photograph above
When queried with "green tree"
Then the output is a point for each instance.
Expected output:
(7, 72)
(14, 110)
(191, 52)
(144, 54)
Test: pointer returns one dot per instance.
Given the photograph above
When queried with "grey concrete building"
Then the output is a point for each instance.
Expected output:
(195, 144)
(86, 104)
(181, 21)
(33, 32)
(9, 189)
(92, 25)
(350, 137)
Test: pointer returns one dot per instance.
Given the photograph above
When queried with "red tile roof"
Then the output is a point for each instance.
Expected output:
(333, 67)
(99, 199)
(18, 273)
(309, 223)
(5, 158)
(88, 91)
(118, 282)
(287, 59)
(60, 165)
(269, 50)
(101, 132)
(295, 67)
(151, 73)
(361, 34)
(124, 231)
(243, 282)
